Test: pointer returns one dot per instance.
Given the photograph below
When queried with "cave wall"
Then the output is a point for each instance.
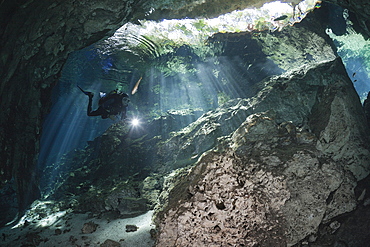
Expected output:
(36, 40)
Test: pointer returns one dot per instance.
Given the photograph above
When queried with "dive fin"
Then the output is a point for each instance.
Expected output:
(87, 93)
(90, 94)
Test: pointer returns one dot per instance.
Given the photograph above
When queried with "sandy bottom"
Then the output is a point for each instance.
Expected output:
(66, 229)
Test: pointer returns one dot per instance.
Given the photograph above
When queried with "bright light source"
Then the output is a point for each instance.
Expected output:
(135, 122)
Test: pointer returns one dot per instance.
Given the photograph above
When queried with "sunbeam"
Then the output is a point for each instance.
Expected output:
(66, 128)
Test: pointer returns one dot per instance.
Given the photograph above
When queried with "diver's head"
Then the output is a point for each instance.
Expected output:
(125, 100)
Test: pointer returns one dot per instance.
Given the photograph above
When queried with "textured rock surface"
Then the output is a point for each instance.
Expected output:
(271, 182)
(89, 227)
(225, 207)
(303, 43)
(304, 104)
(110, 243)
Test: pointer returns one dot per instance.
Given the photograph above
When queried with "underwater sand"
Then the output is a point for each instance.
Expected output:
(67, 231)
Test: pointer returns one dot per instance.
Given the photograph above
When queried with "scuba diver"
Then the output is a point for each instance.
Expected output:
(110, 105)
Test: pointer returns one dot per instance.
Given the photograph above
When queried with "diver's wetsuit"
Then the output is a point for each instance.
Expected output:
(110, 105)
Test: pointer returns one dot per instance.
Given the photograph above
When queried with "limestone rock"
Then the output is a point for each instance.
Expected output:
(89, 227)
(239, 197)
(110, 243)
(131, 228)
(274, 179)
(127, 207)
(299, 97)
(151, 188)
(224, 207)
(286, 50)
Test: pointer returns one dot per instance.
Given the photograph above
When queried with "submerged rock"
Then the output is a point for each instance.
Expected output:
(301, 97)
(280, 173)
(89, 227)
(131, 228)
(110, 243)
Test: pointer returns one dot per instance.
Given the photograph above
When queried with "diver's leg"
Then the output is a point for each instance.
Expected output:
(98, 112)
(89, 106)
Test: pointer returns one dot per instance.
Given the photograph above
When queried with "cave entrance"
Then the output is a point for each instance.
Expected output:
(181, 65)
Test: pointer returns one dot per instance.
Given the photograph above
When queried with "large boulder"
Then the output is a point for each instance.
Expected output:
(281, 173)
